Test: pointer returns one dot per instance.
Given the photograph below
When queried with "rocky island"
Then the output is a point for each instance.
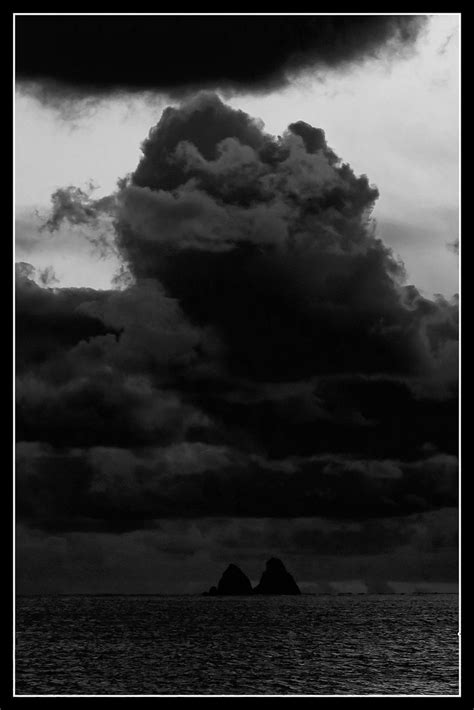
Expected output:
(232, 583)
(275, 580)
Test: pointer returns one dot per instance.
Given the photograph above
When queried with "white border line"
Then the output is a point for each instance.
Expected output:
(206, 695)
(14, 370)
(234, 14)
(240, 14)
(459, 361)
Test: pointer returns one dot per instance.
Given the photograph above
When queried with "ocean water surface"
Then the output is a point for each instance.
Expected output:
(190, 645)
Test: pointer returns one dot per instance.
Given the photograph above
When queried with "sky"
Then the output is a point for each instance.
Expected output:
(236, 310)
(396, 122)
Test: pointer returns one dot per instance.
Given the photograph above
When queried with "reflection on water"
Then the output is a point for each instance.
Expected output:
(205, 645)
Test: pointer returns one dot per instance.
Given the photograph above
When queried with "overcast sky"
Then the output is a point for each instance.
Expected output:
(273, 373)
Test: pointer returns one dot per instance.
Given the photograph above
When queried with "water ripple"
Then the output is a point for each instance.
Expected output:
(267, 645)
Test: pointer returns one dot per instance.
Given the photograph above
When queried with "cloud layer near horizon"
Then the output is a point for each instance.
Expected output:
(267, 361)
(380, 556)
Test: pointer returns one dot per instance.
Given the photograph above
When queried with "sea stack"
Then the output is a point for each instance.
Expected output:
(232, 583)
(276, 580)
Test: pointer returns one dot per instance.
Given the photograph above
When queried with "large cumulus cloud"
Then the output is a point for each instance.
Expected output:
(267, 358)
(275, 236)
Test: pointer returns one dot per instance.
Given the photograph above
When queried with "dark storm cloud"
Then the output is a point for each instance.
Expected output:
(105, 487)
(96, 378)
(275, 236)
(84, 57)
(322, 538)
(103, 374)
(48, 322)
(101, 408)
(269, 359)
(350, 415)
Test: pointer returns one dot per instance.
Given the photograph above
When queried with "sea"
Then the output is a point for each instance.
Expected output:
(190, 645)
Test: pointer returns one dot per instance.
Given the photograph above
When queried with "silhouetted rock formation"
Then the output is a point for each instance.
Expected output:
(276, 580)
(232, 583)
